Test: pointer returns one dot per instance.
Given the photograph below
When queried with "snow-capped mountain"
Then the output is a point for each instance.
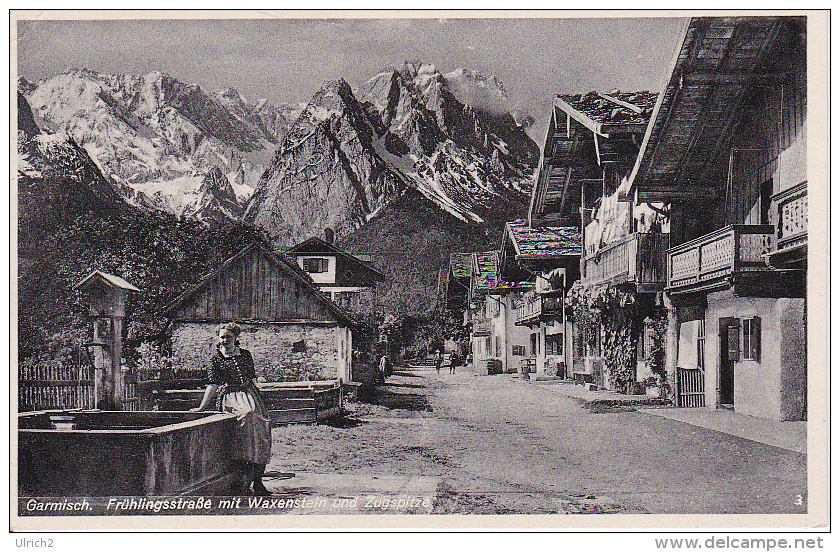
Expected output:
(326, 173)
(348, 155)
(57, 158)
(160, 141)
(477, 153)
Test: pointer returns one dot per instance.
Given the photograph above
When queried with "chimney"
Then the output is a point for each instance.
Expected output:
(329, 235)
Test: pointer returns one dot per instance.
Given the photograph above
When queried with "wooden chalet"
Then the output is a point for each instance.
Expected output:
(455, 280)
(549, 257)
(498, 344)
(292, 329)
(726, 149)
(591, 141)
(350, 280)
(591, 146)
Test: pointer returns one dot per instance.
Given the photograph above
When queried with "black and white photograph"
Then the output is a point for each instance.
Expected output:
(418, 269)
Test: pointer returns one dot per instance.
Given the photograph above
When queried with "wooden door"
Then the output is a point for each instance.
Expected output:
(729, 350)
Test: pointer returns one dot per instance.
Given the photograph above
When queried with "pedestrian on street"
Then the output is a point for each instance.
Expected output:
(232, 383)
(438, 360)
(383, 368)
(454, 361)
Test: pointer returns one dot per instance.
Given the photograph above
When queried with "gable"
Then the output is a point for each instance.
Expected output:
(350, 270)
(253, 286)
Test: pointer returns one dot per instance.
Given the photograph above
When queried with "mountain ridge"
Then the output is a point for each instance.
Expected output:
(156, 138)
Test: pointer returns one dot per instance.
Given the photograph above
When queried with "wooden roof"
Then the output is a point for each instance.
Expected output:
(265, 288)
(611, 112)
(556, 242)
(586, 132)
(460, 265)
(109, 279)
(316, 245)
(486, 277)
(712, 69)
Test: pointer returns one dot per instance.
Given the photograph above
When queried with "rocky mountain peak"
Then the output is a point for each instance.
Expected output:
(155, 137)
(349, 155)
(216, 199)
(26, 121)
(217, 184)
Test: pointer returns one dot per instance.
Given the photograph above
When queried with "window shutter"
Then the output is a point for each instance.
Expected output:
(756, 339)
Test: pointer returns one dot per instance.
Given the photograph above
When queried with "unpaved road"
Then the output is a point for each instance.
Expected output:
(495, 444)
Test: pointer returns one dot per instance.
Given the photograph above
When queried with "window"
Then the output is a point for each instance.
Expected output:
(701, 344)
(752, 338)
(554, 344)
(733, 341)
(518, 350)
(498, 346)
(344, 298)
(488, 349)
(534, 344)
(315, 265)
(766, 193)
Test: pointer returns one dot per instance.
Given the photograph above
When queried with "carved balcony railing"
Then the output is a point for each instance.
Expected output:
(708, 259)
(639, 258)
(539, 306)
(791, 209)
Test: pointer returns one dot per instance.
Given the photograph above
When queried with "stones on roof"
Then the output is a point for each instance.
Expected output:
(601, 108)
(545, 242)
(486, 276)
(459, 264)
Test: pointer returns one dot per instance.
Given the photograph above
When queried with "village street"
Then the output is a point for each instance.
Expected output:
(496, 444)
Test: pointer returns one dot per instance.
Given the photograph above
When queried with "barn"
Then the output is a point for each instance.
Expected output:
(292, 329)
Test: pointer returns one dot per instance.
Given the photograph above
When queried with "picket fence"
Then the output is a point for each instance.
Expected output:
(62, 386)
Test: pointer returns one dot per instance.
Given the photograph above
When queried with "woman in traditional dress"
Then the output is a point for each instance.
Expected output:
(232, 383)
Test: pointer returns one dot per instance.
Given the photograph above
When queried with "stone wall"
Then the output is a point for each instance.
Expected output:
(282, 352)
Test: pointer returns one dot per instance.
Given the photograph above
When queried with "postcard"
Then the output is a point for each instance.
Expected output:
(413, 269)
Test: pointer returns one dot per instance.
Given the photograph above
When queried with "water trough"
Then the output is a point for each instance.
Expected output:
(104, 453)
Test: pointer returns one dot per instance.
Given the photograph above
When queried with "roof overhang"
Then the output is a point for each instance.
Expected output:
(317, 246)
(713, 67)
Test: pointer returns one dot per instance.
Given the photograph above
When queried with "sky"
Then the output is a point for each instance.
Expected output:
(287, 60)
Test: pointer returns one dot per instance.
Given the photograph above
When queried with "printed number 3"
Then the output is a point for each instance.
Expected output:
(799, 500)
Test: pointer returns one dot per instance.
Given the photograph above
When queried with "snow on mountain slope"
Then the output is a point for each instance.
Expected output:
(345, 158)
(57, 158)
(466, 151)
(158, 139)
(325, 174)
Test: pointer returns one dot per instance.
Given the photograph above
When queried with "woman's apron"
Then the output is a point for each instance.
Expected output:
(252, 438)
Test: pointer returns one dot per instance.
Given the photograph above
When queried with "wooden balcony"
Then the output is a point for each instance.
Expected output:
(539, 307)
(639, 258)
(705, 262)
(481, 327)
(791, 210)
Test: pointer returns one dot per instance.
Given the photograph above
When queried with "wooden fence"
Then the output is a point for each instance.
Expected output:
(43, 387)
(49, 387)
(66, 386)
